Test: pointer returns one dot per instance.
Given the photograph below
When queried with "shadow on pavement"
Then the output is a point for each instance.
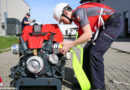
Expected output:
(121, 39)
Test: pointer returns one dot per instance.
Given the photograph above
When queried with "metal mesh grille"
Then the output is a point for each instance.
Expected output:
(37, 28)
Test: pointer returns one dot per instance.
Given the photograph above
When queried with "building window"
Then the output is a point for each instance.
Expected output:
(126, 23)
(98, 1)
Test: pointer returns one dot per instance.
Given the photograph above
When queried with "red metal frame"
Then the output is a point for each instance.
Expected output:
(36, 41)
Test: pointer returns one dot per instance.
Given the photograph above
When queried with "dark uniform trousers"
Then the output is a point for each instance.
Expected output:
(93, 54)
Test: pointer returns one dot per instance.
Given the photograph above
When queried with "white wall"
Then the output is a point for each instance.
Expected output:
(12, 9)
(17, 9)
(71, 29)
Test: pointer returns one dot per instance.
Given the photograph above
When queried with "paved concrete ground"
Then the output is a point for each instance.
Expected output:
(117, 67)
(122, 44)
(7, 60)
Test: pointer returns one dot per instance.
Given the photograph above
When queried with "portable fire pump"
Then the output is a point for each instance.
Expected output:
(41, 66)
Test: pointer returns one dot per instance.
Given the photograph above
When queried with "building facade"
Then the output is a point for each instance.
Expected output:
(3, 16)
(11, 9)
(122, 7)
(17, 9)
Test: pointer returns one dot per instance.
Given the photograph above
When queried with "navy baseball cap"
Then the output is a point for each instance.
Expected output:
(28, 14)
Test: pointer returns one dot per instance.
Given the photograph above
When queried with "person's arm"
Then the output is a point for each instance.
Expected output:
(81, 17)
(28, 22)
(86, 36)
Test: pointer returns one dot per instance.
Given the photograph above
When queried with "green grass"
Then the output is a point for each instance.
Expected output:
(6, 42)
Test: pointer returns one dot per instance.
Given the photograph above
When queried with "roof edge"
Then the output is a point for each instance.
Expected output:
(26, 3)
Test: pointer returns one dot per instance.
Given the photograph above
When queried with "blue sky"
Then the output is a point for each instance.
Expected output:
(41, 10)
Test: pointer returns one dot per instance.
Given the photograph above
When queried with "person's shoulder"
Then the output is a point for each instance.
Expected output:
(79, 11)
(25, 18)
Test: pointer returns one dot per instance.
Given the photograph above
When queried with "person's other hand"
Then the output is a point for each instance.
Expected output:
(33, 20)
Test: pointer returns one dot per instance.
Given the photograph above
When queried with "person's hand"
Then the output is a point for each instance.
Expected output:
(66, 46)
(32, 21)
